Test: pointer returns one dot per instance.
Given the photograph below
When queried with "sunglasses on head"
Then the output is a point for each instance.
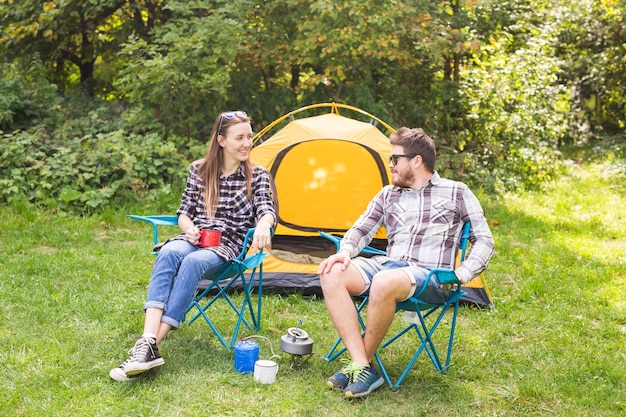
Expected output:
(229, 115)
(393, 159)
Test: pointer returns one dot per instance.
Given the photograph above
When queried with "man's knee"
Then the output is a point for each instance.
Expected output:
(386, 285)
(332, 278)
(338, 280)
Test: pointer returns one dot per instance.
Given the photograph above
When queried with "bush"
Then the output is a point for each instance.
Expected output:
(515, 116)
(26, 97)
(86, 172)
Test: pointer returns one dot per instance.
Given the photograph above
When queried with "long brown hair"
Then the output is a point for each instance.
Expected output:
(209, 169)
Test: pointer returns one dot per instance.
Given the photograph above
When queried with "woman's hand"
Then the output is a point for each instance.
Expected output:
(262, 237)
(192, 235)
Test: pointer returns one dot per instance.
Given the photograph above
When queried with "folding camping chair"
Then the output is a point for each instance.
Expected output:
(246, 267)
(426, 325)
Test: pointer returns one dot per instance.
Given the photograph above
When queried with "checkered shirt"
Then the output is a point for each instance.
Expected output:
(424, 226)
(235, 212)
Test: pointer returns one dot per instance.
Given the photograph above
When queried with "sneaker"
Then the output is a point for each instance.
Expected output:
(143, 357)
(363, 380)
(119, 375)
(342, 377)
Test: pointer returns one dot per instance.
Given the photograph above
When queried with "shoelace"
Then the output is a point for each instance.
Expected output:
(363, 375)
(352, 370)
(347, 365)
(140, 348)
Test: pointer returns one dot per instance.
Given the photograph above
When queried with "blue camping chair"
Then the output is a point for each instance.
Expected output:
(246, 267)
(429, 315)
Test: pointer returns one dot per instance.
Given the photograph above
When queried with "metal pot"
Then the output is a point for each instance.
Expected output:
(296, 342)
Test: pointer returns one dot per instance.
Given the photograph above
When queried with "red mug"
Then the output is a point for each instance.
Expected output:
(210, 238)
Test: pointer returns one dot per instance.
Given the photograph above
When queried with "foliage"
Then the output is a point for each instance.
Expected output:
(26, 97)
(361, 53)
(78, 166)
(176, 83)
(74, 36)
(593, 44)
(501, 85)
(515, 113)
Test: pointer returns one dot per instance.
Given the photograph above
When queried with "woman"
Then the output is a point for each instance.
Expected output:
(224, 192)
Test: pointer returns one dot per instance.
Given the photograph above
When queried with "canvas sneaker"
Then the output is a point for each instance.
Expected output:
(119, 375)
(143, 357)
(363, 380)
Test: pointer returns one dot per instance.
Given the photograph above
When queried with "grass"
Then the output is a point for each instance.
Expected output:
(72, 289)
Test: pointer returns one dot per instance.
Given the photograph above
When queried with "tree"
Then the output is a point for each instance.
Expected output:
(178, 82)
(592, 43)
(71, 37)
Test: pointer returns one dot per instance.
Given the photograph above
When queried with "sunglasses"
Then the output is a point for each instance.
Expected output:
(393, 159)
(229, 115)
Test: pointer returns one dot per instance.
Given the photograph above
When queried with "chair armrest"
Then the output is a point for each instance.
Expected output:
(444, 276)
(332, 238)
(160, 220)
(336, 240)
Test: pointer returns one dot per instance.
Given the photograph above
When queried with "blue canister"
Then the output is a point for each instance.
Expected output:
(246, 353)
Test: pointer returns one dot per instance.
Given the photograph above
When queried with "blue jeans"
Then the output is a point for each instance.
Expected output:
(177, 271)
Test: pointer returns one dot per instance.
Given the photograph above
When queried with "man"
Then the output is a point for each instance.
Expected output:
(423, 215)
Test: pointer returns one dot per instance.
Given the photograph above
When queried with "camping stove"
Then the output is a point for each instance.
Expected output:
(297, 343)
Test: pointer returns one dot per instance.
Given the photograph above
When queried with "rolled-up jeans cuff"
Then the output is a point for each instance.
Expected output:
(168, 320)
(154, 304)
(165, 319)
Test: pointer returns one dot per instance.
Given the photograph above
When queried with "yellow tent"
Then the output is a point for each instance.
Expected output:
(326, 167)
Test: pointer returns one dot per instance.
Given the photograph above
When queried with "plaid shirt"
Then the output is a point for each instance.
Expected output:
(424, 226)
(235, 212)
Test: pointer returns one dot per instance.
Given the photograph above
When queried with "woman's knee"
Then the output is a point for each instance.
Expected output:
(199, 263)
(176, 248)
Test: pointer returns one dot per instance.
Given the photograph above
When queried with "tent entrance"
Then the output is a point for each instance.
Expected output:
(312, 178)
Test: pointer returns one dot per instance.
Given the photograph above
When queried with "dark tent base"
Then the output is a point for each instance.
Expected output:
(279, 283)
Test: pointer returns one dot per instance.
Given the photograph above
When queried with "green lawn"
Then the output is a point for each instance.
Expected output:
(72, 290)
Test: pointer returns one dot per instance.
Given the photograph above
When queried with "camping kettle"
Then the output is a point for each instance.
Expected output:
(296, 342)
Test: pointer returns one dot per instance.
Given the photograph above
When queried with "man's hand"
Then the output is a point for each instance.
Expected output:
(342, 257)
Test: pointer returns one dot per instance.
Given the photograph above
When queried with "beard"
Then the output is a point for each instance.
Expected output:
(403, 179)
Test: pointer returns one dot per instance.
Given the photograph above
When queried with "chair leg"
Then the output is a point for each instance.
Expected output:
(332, 355)
(248, 289)
(425, 334)
(246, 305)
(220, 294)
(259, 296)
(452, 329)
(383, 369)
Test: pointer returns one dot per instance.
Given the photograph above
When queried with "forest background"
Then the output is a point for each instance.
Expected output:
(104, 101)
